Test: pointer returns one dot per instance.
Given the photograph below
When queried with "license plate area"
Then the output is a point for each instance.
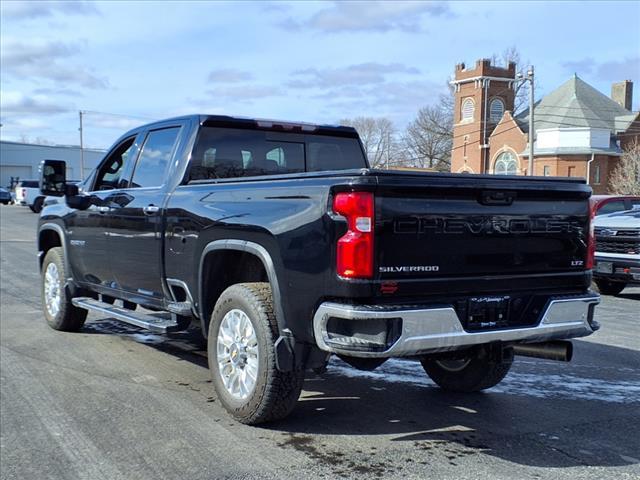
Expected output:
(604, 267)
(488, 313)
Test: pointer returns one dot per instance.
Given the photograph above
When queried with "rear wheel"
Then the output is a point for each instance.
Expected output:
(241, 339)
(59, 312)
(478, 371)
(607, 287)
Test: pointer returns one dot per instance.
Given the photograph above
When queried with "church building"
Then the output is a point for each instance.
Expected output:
(579, 131)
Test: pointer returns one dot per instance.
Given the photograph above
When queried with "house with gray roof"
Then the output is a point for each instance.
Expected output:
(578, 130)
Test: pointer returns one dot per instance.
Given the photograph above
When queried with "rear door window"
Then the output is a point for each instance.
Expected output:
(154, 158)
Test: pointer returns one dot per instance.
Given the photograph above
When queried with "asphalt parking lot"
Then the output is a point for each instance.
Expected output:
(113, 402)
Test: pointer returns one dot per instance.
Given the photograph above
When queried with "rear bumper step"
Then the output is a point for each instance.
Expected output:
(157, 323)
(414, 330)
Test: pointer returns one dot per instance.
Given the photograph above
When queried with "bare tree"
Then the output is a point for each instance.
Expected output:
(377, 135)
(35, 141)
(511, 54)
(625, 179)
(428, 139)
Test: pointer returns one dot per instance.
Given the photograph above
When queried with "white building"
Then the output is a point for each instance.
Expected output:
(22, 160)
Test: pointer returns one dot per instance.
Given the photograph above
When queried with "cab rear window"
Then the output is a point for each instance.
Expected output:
(229, 153)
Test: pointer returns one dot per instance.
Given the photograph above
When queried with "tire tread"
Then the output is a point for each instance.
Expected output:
(281, 389)
(70, 318)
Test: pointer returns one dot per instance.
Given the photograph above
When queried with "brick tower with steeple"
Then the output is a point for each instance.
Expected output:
(482, 95)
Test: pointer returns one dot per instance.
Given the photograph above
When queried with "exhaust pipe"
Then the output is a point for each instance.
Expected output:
(560, 350)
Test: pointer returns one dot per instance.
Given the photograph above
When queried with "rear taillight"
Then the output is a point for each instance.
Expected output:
(591, 240)
(355, 248)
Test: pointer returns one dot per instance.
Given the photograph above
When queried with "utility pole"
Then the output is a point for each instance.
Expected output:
(531, 129)
(81, 148)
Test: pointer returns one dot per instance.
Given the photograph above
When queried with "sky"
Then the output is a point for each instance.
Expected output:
(307, 61)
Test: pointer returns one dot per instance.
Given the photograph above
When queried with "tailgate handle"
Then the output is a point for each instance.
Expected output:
(489, 197)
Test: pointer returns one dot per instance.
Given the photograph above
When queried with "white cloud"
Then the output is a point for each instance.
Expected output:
(360, 74)
(370, 16)
(48, 60)
(244, 92)
(13, 102)
(37, 9)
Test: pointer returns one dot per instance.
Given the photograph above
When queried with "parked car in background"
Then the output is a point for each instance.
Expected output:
(605, 204)
(5, 196)
(617, 251)
(28, 193)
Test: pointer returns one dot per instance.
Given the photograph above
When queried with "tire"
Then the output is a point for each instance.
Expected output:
(32, 209)
(273, 394)
(37, 205)
(607, 287)
(60, 314)
(474, 373)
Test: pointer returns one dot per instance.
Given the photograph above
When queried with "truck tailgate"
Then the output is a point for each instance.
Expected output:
(430, 227)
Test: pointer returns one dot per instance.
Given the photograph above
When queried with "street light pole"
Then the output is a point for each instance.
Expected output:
(531, 129)
(81, 148)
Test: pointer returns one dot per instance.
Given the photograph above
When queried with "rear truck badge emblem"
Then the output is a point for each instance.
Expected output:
(410, 269)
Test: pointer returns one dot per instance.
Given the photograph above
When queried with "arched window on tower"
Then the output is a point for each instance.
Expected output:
(506, 164)
(468, 109)
(496, 110)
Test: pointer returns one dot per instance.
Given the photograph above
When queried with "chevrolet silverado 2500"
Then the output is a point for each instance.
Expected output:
(617, 261)
(284, 247)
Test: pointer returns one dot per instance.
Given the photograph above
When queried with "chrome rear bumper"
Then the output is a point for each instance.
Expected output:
(426, 330)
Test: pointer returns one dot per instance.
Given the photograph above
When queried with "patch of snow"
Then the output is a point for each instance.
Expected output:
(542, 385)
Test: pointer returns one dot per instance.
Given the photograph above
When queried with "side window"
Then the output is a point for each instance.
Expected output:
(108, 176)
(154, 158)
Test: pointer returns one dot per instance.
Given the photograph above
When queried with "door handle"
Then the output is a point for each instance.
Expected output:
(151, 210)
(104, 209)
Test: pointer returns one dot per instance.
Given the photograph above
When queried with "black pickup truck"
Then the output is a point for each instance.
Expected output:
(284, 247)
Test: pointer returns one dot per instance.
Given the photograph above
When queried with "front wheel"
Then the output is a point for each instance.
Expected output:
(472, 373)
(59, 312)
(607, 287)
(242, 359)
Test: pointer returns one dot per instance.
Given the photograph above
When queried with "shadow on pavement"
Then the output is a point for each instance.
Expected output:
(629, 296)
(522, 420)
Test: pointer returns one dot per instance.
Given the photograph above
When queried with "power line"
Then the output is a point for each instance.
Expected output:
(118, 115)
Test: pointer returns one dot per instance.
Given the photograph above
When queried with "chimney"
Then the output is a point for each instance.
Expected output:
(622, 93)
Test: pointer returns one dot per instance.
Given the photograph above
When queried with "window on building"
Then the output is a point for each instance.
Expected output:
(547, 171)
(596, 175)
(155, 157)
(468, 109)
(496, 109)
(506, 164)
